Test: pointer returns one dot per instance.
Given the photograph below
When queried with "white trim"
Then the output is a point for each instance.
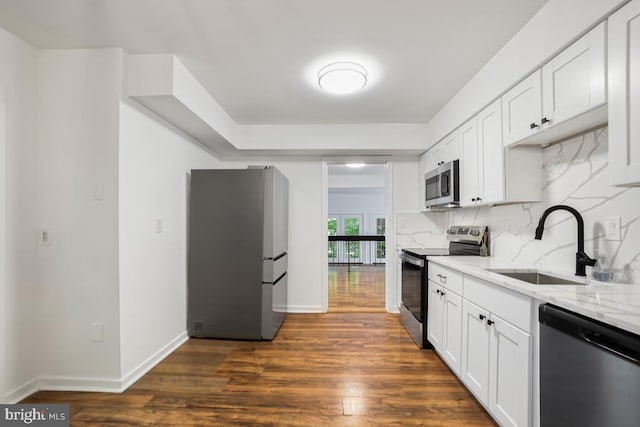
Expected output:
(392, 290)
(306, 308)
(152, 361)
(19, 393)
(324, 239)
(103, 385)
(3, 238)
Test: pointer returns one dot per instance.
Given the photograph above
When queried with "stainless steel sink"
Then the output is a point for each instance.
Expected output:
(535, 277)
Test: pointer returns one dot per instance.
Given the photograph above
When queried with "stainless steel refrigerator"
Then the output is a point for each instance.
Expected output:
(238, 234)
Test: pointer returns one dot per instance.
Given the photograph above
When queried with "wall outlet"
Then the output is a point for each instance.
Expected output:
(97, 332)
(612, 228)
(44, 237)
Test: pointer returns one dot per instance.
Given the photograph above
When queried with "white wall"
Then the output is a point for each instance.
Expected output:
(19, 303)
(154, 165)
(355, 181)
(367, 202)
(405, 184)
(555, 26)
(77, 124)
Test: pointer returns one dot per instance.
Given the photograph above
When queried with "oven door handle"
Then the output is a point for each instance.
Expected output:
(414, 261)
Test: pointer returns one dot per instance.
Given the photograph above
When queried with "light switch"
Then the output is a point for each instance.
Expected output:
(612, 228)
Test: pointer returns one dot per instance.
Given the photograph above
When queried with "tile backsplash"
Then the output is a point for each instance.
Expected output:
(575, 175)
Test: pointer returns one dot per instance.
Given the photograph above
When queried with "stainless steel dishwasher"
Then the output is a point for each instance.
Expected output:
(589, 372)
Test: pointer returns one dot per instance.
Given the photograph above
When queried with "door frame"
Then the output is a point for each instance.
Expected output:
(3, 228)
(392, 288)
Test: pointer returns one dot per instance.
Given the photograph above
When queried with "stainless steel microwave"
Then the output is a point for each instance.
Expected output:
(442, 186)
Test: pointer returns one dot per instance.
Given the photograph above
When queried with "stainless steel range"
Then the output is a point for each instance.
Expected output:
(463, 240)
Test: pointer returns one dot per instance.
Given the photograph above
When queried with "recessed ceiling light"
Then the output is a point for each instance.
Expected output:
(342, 77)
(355, 165)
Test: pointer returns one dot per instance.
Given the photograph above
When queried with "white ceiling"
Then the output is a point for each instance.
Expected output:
(259, 58)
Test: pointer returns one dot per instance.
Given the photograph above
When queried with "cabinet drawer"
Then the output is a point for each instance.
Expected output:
(511, 306)
(445, 277)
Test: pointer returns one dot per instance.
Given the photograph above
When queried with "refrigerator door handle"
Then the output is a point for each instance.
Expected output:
(271, 258)
(275, 282)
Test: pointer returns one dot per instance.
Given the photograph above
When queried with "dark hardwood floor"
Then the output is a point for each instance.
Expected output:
(335, 369)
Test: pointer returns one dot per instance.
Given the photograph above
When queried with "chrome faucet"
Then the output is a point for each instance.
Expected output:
(582, 259)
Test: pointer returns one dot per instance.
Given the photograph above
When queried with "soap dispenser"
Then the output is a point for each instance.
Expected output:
(601, 270)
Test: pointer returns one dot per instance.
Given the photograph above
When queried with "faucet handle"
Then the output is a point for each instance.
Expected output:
(585, 259)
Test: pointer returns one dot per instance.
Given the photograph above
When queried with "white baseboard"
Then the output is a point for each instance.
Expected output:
(104, 385)
(152, 361)
(25, 390)
(305, 309)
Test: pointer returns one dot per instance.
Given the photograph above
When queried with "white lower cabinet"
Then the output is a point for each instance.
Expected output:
(496, 365)
(452, 333)
(483, 332)
(435, 316)
(510, 374)
(475, 350)
(444, 324)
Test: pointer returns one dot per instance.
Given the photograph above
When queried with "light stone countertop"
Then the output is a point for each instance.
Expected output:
(616, 304)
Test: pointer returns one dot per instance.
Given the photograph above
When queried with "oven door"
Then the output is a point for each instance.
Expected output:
(413, 285)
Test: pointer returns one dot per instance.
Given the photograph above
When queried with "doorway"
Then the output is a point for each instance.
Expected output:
(356, 227)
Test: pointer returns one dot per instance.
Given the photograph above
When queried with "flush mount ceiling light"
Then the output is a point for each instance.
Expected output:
(355, 165)
(342, 77)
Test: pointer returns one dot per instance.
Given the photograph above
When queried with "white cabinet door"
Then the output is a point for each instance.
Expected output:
(510, 374)
(491, 165)
(574, 81)
(469, 189)
(475, 350)
(452, 331)
(522, 109)
(624, 95)
(450, 147)
(434, 315)
(432, 157)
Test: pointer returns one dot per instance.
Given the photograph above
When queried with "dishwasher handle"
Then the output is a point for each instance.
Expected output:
(412, 260)
(596, 339)
(593, 332)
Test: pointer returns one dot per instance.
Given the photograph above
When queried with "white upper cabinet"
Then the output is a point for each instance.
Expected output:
(450, 147)
(566, 96)
(575, 80)
(491, 174)
(482, 165)
(469, 160)
(491, 167)
(624, 95)
(446, 150)
(522, 109)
